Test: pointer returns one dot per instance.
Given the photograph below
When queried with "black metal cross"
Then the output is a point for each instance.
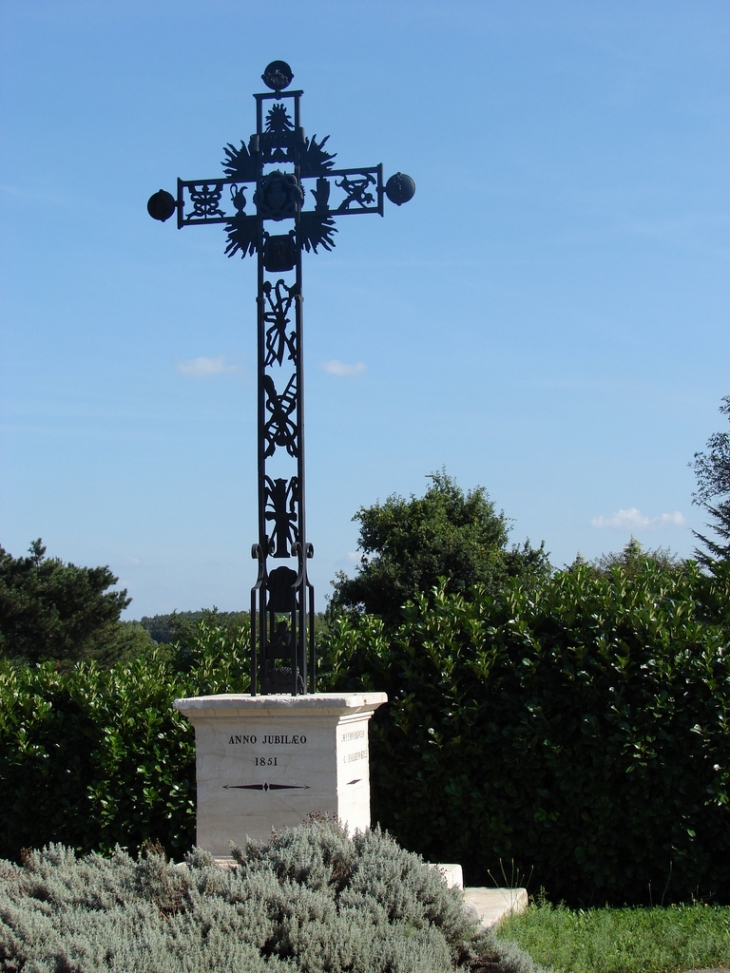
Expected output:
(265, 182)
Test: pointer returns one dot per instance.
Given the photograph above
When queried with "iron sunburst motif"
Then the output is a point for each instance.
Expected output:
(279, 143)
(242, 235)
(315, 231)
(239, 163)
(314, 159)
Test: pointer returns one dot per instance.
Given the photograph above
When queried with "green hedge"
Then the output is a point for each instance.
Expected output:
(577, 732)
(93, 757)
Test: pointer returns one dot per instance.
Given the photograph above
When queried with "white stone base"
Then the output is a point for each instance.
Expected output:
(453, 875)
(490, 906)
(266, 762)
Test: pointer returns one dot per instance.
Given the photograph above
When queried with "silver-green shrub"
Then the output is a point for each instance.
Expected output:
(310, 900)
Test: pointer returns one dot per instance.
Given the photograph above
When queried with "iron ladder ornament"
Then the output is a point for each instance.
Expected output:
(280, 195)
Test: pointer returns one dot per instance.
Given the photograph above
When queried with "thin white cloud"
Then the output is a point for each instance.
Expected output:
(205, 367)
(633, 517)
(354, 557)
(341, 368)
(132, 561)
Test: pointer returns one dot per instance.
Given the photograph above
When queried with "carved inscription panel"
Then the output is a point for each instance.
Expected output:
(270, 759)
(353, 753)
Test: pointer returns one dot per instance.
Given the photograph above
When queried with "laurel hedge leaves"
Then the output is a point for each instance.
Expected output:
(91, 758)
(578, 731)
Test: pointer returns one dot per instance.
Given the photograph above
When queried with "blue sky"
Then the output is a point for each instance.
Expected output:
(547, 318)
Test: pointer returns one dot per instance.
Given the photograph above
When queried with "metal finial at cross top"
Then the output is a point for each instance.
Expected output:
(270, 208)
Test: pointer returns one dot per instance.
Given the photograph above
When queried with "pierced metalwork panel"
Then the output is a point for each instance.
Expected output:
(279, 196)
(280, 427)
(282, 499)
(213, 201)
(278, 299)
(357, 191)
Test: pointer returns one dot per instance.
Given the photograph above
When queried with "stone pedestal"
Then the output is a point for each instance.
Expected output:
(266, 762)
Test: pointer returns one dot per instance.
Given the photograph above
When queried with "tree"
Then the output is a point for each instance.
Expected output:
(408, 545)
(52, 610)
(634, 558)
(712, 469)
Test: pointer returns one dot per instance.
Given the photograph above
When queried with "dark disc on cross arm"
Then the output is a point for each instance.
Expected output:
(400, 188)
(277, 75)
(161, 205)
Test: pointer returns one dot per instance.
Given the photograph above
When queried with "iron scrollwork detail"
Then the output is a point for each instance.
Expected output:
(279, 299)
(357, 192)
(282, 499)
(264, 182)
(280, 429)
(206, 198)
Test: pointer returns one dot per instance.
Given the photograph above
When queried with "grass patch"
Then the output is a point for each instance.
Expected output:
(654, 940)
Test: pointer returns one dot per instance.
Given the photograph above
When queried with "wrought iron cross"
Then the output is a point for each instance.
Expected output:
(268, 182)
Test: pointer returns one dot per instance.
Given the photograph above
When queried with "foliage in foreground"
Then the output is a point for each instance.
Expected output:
(309, 900)
(581, 729)
(654, 940)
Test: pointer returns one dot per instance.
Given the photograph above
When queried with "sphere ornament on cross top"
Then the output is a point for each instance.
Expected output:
(280, 195)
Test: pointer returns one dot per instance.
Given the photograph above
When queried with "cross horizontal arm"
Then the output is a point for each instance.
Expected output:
(337, 192)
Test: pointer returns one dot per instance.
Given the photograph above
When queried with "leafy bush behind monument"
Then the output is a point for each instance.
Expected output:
(94, 757)
(578, 727)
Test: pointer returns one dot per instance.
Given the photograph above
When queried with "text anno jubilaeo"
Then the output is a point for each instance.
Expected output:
(272, 739)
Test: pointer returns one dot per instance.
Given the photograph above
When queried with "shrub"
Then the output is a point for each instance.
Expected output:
(310, 900)
(93, 757)
(581, 730)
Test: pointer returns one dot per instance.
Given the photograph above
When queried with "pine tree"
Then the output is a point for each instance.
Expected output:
(712, 469)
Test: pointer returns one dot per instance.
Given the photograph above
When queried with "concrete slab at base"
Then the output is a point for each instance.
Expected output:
(266, 762)
(489, 906)
(453, 875)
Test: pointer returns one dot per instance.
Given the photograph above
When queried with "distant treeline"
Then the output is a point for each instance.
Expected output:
(182, 626)
(174, 627)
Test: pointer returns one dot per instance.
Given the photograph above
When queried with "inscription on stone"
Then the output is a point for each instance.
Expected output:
(272, 739)
(353, 735)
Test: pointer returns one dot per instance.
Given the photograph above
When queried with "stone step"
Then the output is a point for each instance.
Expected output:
(487, 905)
